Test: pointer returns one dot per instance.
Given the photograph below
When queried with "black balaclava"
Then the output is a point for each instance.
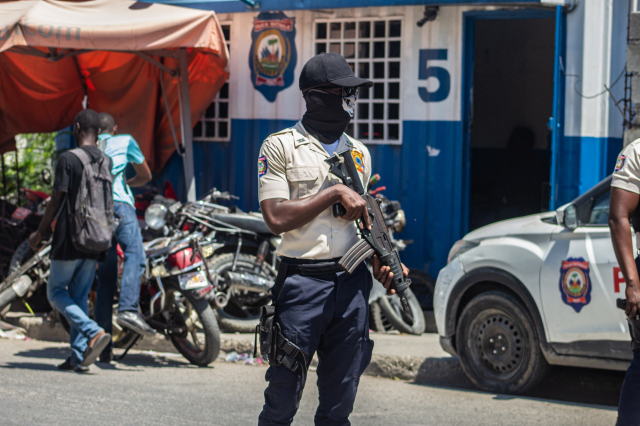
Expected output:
(325, 118)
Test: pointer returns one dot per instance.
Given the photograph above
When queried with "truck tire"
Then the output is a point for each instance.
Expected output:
(498, 344)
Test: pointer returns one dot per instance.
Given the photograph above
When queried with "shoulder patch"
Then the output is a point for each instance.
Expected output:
(620, 163)
(282, 132)
(262, 166)
(358, 158)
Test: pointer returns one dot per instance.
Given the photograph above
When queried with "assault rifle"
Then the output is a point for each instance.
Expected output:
(374, 241)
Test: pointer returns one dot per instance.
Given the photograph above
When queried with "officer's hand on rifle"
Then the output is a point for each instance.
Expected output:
(382, 274)
(632, 295)
(355, 205)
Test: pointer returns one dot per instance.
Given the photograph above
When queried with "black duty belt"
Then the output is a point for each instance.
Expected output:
(313, 268)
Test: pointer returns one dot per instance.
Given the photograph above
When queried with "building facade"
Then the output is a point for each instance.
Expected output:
(482, 113)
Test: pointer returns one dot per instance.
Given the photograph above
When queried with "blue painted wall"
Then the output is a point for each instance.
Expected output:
(583, 162)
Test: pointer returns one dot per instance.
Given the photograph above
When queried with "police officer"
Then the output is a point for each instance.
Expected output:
(318, 307)
(625, 198)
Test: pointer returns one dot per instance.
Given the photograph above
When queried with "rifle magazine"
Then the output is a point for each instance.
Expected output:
(356, 254)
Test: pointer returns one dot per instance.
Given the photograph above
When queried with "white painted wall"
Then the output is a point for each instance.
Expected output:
(596, 41)
(444, 33)
(595, 57)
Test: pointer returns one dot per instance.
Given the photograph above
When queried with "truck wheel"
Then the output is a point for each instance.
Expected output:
(498, 345)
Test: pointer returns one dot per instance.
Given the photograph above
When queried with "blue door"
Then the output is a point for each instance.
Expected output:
(510, 91)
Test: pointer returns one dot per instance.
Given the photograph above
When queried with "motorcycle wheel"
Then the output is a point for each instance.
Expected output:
(235, 317)
(200, 322)
(405, 322)
(22, 254)
(377, 320)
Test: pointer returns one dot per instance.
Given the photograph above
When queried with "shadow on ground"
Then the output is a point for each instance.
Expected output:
(132, 360)
(563, 384)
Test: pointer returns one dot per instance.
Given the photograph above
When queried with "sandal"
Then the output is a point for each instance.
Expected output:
(92, 353)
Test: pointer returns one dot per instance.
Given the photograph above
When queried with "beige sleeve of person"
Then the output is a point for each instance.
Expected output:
(626, 174)
(367, 168)
(272, 177)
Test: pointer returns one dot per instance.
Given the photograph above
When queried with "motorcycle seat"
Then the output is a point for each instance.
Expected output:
(244, 221)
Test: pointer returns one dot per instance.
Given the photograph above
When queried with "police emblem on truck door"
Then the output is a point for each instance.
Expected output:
(575, 283)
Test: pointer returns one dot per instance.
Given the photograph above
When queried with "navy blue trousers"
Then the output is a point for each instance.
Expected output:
(328, 314)
(629, 406)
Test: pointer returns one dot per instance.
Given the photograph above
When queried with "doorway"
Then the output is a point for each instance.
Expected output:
(510, 103)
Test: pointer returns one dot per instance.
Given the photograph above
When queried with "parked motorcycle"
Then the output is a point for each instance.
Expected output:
(244, 266)
(28, 279)
(172, 300)
(16, 224)
(172, 296)
(386, 313)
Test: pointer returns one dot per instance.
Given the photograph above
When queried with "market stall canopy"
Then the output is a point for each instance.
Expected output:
(125, 56)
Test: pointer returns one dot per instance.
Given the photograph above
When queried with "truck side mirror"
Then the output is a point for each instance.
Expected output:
(568, 216)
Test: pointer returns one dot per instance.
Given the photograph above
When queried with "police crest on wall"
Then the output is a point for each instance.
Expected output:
(272, 57)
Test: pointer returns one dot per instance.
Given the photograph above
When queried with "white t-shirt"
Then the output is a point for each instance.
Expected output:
(331, 148)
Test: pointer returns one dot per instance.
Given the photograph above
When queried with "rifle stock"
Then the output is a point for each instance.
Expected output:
(375, 241)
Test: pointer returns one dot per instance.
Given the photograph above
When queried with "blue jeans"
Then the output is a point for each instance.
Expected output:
(629, 406)
(68, 291)
(128, 236)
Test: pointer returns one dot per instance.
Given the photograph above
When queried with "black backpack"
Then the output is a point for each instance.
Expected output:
(91, 220)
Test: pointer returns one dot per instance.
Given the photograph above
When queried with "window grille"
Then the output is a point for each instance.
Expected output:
(215, 126)
(372, 47)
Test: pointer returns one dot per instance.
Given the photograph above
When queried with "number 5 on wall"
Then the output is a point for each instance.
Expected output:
(443, 76)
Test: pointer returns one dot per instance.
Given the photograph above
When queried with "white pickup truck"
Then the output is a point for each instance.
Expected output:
(521, 294)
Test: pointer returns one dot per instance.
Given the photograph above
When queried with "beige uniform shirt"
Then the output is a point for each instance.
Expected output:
(291, 166)
(626, 174)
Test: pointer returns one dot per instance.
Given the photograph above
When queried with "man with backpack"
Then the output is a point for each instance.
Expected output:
(122, 149)
(82, 203)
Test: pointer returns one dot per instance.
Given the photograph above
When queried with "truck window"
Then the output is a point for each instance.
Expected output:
(600, 211)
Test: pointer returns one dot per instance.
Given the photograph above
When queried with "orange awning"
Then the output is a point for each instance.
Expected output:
(53, 53)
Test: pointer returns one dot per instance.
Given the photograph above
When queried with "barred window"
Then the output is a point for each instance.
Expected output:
(214, 126)
(372, 48)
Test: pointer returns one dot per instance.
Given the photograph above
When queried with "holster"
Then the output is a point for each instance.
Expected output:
(274, 347)
(265, 332)
(634, 330)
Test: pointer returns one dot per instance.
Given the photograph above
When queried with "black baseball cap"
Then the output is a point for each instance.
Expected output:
(329, 68)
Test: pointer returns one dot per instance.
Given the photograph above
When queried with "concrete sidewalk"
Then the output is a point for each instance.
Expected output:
(398, 356)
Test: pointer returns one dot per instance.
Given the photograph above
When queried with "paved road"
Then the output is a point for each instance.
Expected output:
(147, 389)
